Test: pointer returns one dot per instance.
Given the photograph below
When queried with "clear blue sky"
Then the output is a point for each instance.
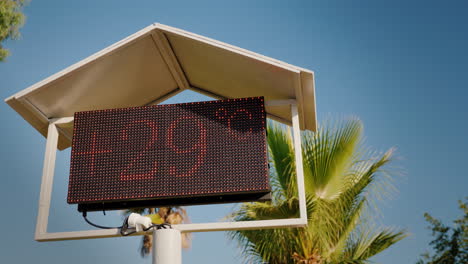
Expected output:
(401, 66)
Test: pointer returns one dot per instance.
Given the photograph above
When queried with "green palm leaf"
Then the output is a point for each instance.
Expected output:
(282, 158)
(367, 245)
(340, 176)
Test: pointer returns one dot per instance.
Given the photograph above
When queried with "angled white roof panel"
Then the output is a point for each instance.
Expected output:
(157, 63)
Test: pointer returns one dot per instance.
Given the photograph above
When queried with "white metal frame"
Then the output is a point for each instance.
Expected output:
(48, 176)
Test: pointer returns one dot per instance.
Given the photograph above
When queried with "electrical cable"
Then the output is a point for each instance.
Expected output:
(99, 226)
(124, 227)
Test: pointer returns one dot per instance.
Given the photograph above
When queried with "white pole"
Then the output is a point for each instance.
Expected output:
(299, 165)
(47, 181)
(167, 246)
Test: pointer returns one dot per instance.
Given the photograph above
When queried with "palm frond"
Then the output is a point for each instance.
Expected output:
(328, 155)
(340, 175)
(363, 179)
(266, 211)
(282, 158)
(367, 244)
(345, 230)
(263, 244)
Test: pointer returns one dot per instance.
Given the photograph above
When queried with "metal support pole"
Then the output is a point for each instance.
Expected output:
(48, 173)
(167, 246)
(299, 164)
(47, 181)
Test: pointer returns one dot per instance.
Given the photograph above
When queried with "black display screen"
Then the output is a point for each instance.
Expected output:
(191, 153)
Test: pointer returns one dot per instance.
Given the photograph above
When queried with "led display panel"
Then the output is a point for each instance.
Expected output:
(167, 155)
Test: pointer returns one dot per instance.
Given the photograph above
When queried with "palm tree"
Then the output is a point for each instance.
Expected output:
(168, 215)
(341, 180)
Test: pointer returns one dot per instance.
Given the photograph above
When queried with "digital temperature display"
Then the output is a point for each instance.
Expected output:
(166, 155)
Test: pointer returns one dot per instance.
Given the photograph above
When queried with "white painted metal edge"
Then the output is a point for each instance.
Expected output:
(231, 48)
(47, 184)
(184, 228)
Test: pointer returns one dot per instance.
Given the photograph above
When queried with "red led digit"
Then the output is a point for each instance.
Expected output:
(200, 145)
(92, 153)
(124, 175)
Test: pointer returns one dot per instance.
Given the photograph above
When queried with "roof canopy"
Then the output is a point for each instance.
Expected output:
(156, 63)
